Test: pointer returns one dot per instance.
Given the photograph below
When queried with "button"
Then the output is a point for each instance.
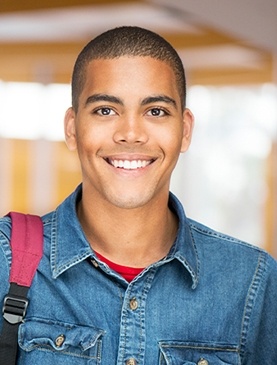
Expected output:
(203, 362)
(133, 304)
(131, 361)
(94, 263)
(59, 340)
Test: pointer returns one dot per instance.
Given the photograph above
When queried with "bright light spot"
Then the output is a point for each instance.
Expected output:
(33, 110)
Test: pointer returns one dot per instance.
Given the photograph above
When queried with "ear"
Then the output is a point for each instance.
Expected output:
(188, 124)
(70, 130)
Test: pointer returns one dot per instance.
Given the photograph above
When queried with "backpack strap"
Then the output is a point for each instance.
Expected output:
(27, 248)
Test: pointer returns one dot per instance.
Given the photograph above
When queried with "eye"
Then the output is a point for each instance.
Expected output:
(157, 112)
(104, 111)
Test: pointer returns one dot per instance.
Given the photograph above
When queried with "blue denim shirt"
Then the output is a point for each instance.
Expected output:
(212, 300)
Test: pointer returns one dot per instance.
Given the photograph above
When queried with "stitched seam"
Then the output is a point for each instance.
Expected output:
(250, 299)
(222, 236)
(202, 348)
(196, 279)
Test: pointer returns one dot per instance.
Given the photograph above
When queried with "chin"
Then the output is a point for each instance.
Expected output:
(129, 202)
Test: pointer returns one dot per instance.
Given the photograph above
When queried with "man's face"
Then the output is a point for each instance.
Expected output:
(129, 130)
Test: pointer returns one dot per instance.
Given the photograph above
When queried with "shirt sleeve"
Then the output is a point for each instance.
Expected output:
(261, 338)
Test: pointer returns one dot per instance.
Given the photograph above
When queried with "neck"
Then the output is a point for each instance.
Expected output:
(129, 237)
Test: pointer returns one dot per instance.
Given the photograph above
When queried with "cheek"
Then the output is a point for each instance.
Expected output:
(172, 141)
(91, 138)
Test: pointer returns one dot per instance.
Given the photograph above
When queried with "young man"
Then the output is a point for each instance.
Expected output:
(125, 277)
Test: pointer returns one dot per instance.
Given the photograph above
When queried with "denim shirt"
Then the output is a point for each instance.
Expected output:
(211, 300)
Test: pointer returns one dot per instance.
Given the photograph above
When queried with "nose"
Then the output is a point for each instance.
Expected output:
(130, 131)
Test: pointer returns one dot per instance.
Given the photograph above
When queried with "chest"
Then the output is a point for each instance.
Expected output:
(90, 316)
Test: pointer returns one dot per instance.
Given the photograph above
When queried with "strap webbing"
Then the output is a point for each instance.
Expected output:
(9, 335)
(26, 244)
(27, 248)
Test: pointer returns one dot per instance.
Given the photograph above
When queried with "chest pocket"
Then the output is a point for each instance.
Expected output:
(184, 353)
(48, 343)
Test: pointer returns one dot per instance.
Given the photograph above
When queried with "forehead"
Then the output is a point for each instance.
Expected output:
(131, 73)
(133, 68)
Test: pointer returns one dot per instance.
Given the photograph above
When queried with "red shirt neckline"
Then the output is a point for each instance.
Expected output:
(129, 273)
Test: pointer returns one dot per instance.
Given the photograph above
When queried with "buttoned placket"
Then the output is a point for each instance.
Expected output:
(132, 328)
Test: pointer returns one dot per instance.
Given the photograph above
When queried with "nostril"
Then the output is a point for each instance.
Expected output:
(127, 133)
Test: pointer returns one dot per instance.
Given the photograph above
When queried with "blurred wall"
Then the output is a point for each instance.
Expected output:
(36, 175)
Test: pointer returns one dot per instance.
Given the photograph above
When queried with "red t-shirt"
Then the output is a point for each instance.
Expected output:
(129, 273)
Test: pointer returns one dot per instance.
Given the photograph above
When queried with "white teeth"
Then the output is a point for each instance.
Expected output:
(130, 165)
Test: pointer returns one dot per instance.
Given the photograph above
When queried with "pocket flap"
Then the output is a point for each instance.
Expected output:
(182, 353)
(57, 335)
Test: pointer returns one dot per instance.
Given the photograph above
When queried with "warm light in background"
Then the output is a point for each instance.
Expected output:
(33, 110)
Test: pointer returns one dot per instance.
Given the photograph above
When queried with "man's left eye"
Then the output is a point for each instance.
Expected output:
(156, 112)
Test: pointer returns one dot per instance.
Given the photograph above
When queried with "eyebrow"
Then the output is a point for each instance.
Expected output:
(103, 97)
(159, 98)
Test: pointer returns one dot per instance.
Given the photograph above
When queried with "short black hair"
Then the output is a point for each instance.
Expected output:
(127, 41)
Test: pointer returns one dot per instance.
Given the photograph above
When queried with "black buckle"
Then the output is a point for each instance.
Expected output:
(14, 308)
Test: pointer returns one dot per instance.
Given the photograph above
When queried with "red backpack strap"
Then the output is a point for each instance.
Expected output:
(27, 249)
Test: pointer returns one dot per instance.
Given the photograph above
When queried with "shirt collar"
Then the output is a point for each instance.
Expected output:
(69, 245)
(184, 248)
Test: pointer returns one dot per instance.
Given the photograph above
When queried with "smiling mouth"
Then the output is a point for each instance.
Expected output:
(129, 164)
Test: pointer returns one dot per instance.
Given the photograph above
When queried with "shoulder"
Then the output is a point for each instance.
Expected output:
(209, 236)
(5, 233)
(214, 245)
(217, 246)
(5, 226)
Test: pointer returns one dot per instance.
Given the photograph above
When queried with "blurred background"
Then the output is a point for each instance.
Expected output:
(227, 180)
